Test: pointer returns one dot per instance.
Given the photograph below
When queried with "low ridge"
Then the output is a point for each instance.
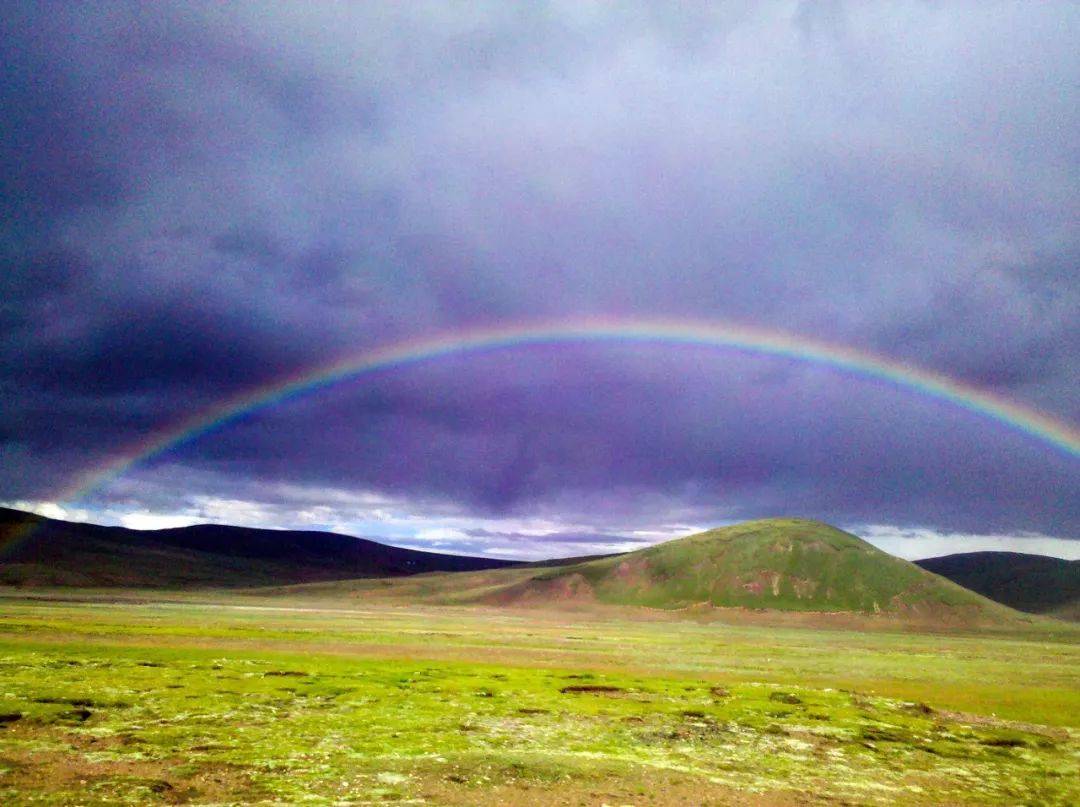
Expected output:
(1033, 583)
(38, 551)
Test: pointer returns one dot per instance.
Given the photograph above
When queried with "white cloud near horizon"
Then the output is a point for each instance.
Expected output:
(917, 543)
(381, 519)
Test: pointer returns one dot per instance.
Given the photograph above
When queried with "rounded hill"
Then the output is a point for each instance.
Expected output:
(786, 564)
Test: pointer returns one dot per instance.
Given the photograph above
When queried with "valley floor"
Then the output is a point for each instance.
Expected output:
(223, 699)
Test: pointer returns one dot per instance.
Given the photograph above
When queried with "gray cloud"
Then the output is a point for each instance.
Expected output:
(200, 199)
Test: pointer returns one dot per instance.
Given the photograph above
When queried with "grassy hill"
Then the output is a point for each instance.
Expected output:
(1033, 583)
(37, 551)
(777, 564)
(787, 564)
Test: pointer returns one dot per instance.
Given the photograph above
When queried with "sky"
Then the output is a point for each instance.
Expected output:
(204, 199)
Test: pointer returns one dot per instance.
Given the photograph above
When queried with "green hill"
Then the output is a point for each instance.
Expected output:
(775, 564)
(786, 564)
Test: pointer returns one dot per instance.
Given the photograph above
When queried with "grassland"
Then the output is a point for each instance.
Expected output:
(106, 700)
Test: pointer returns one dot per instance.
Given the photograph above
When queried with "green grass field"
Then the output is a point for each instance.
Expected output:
(287, 700)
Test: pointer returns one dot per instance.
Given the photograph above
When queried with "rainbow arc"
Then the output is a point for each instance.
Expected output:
(739, 338)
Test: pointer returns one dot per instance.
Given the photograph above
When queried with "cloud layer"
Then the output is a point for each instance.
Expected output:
(198, 199)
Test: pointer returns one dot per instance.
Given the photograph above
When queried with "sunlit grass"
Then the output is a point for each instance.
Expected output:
(137, 703)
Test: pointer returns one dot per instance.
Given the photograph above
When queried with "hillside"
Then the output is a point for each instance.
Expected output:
(786, 564)
(1033, 583)
(777, 564)
(37, 551)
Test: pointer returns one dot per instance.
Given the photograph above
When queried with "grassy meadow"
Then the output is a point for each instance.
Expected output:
(226, 699)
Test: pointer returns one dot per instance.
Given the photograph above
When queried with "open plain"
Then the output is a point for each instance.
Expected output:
(311, 696)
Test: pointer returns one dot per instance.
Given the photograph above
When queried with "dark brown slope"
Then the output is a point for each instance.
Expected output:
(37, 551)
(1033, 583)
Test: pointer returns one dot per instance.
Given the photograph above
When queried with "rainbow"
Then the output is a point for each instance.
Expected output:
(741, 338)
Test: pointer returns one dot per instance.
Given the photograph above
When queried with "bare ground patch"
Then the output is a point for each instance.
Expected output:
(645, 788)
(69, 777)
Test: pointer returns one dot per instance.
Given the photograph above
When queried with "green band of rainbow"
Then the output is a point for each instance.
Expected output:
(740, 337)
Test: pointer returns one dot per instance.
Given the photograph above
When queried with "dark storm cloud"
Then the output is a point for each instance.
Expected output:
(200, 198)
(812, 442)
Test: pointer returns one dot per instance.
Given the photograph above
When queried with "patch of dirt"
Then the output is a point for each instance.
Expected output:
(911, 605)
(785, 697)
(695, 727)
(51, 772)
(633, 571)
(762, 582)
(803, 587)
(79, 715)
(562, 590)
(67, 701)
(644, 788)
(918, 708)
(599, 689)
(884, 734)
(1050, 732)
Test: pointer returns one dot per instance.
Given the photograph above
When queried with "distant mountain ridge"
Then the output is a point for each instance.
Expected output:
(39, 551)
(1033, 583)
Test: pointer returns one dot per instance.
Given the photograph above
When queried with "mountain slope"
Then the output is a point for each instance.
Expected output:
(788, 564)
(1033, 583)
(777, 564)
(37, 551)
